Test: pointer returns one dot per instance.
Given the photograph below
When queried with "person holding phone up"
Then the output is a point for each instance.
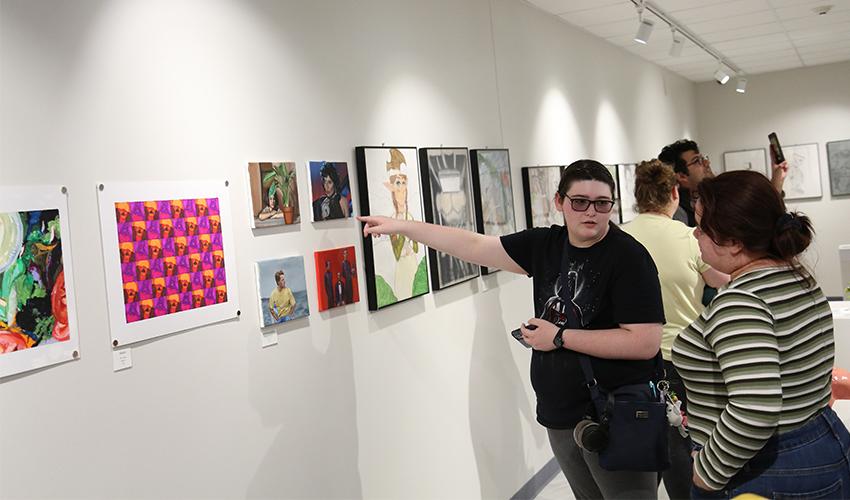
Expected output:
(610, 281)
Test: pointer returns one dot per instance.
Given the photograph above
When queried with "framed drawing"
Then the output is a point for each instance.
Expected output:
(748, 159)
(803, 180)
(447, 196)
(336, 278)
(281, 290)
(330, 190)
(539, 186)
(274, 194)
(396, 267)
(616, 213)
(626, 186)
(492, 189)
(168, 257)
(838, 160)
(38, 322)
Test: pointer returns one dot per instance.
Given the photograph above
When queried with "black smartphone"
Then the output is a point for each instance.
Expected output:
(775, 147)
(517, 334)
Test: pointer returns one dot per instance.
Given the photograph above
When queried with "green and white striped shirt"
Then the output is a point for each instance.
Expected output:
(756, 362)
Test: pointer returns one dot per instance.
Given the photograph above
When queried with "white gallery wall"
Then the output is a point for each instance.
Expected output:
(426, 399)
(803, 106)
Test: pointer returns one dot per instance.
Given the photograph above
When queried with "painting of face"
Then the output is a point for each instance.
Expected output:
(177, 209)
(122, 212)
(166, 229)
(195, 262)
(220, 295)
(330, 190)
(396, 266)
(143, 270)
(218, 260)
(146, 309)
(184, 283)
(169, 266)
(131, 293)
(158, 288)
(209, 279)
(282, 290)
(191, 226)
(154, 249)
(215, 224)
(173, 304)
(198, 299)
(140, 231)
(151, 211)
(180, 246)
(127, 253)
(204, 243)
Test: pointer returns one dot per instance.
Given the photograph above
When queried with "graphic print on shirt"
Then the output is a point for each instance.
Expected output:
(574, 303)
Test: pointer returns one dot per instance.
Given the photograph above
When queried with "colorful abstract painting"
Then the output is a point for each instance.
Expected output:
(170, 257)
(330, 190)
(396, 266)
(37, 321)
(274, 194)
(336, 277)
(281, 290)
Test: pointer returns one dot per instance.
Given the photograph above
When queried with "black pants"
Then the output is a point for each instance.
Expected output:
(678, 478)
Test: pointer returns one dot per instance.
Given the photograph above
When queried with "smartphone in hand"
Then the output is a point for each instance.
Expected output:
(776, 148)
(517, 334)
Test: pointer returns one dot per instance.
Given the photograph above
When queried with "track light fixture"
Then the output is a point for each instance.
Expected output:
(742, 86)
(722, 75)
(644, 28)
(677, 44)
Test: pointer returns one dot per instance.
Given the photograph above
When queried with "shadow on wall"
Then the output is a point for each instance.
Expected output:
(495, 417)
(306, 459)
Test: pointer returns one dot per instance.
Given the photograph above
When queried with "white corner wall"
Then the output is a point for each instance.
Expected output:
(803, 106)
(428, 399)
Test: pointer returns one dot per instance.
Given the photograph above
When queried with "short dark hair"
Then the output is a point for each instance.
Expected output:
(744, 206)
(328, 170)
(671, 154)
(584, 170)
(277, 276)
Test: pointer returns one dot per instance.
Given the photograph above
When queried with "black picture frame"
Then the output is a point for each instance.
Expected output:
(475, 159)
(528, 202)
(375, 300)
(454, 165)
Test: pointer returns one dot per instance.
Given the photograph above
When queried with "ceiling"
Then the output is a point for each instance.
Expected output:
(757, 36)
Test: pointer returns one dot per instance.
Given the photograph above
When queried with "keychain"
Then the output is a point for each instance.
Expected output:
(675, 416)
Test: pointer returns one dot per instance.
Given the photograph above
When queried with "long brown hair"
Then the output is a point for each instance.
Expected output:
(743, 206)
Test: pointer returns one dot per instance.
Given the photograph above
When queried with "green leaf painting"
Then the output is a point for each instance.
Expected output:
(420, 280)
(385, 292)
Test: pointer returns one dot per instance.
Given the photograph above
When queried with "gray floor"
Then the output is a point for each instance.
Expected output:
(559, 489)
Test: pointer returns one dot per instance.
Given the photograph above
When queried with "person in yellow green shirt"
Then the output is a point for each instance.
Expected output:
(683, 275)
(281, 301)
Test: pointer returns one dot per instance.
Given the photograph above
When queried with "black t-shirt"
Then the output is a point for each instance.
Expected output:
(610, 283)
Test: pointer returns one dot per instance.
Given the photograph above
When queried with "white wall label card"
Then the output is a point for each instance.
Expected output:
(269, 339)
(121, 359)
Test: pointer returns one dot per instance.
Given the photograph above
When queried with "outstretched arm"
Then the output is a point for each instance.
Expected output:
(465, 245)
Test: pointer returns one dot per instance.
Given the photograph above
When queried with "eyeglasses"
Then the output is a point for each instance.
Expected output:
(702, 159)
(582, 204)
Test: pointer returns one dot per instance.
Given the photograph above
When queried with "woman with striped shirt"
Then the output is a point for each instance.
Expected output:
(757, 362)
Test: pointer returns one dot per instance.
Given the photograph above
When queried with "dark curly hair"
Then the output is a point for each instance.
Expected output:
(671, 154)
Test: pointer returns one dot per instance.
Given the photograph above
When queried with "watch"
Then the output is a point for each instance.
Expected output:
(559, 338)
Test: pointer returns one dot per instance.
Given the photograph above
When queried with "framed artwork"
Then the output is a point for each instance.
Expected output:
(626, 186)
(274, 194)
(396, 267)
(803, 179)
(38, 322)
(330, 190)
(838, 156)
(448, 201)
(168, 257)
(281, 290)
(616, 212)
(492, 189)
(336, 277)
(748, 159)
(539, 186)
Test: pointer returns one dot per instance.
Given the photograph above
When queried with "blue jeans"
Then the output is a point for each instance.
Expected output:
(809, 462)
